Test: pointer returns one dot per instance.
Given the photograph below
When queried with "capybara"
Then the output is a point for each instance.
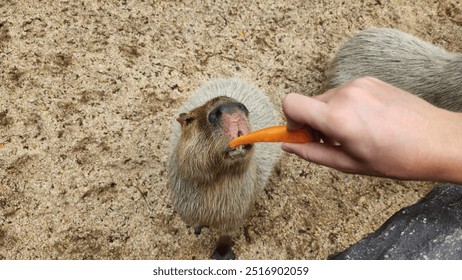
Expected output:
(213, 185)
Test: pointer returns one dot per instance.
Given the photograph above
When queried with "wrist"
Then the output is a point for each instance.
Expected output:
(447, 166)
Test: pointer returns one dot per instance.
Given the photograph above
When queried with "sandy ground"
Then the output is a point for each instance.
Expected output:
(88, 92)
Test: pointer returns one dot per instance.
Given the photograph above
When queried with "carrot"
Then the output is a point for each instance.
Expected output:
(273, 134)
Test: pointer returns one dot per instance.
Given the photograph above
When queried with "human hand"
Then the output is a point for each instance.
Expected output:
(373, 128)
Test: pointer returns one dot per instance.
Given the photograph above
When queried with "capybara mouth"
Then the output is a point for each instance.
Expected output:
(239, 152)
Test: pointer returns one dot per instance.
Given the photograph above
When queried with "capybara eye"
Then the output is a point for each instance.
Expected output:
(189, 120)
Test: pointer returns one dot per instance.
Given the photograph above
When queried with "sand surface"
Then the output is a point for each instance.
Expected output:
(88, 92)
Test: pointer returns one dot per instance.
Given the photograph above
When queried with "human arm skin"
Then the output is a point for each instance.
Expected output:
(373, 128)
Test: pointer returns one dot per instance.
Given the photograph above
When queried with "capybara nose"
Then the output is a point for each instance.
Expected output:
(226, 108)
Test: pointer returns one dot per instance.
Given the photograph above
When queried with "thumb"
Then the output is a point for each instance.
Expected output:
(324, 154)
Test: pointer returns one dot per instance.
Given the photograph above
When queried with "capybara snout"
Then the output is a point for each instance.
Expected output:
(216, 114)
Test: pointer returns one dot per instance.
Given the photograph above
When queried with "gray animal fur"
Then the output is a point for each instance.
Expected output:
(225, 203)
(404, 61)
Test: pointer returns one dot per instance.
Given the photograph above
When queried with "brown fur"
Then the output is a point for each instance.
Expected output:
(213, 185)
(219, 190)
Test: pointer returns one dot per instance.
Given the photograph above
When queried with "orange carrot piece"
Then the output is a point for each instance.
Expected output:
(273, 134)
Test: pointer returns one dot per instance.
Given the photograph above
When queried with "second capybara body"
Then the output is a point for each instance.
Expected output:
(404, 61)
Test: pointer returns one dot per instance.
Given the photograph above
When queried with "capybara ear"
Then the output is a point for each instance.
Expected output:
(182, 119)
(185, 119)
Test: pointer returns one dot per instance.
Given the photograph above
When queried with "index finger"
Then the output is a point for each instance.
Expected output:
(303, 111)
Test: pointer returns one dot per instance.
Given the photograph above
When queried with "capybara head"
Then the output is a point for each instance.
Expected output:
(205, 134)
